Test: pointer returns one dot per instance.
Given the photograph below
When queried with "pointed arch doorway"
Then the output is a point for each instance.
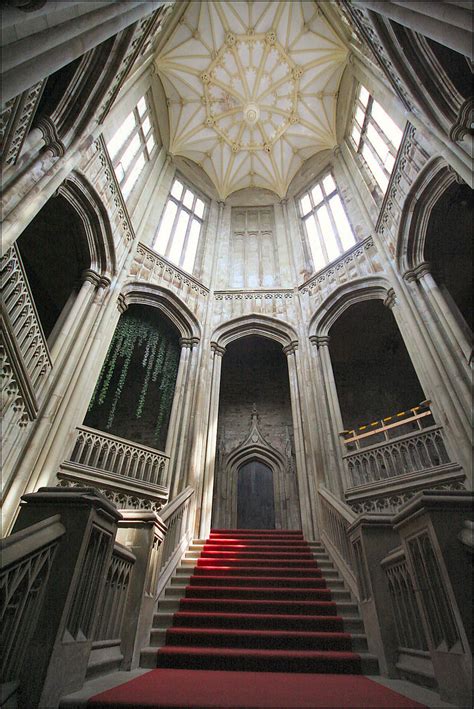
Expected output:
(255, 496)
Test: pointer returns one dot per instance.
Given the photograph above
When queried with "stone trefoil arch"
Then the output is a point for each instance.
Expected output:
(254, 447)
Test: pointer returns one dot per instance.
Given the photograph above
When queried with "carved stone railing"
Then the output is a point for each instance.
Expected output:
(106, 647)
(337, 517)
(178, 515)
(15, 121)
(129, 474)
(358, 261)
(25, 357)
(26, 559)
(420, 450)
(413, 653)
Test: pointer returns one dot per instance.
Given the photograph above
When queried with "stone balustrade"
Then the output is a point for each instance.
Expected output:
(130, 474)
(337, 517)
(26, 361)
(412, 452)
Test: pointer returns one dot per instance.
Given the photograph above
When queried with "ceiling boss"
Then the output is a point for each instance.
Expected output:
(252, 105)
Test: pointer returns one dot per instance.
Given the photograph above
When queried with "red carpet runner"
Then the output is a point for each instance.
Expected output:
(256, 609)
(257, 601)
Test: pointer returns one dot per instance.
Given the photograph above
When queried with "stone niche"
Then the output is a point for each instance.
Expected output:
(255, 424)
(253, 252)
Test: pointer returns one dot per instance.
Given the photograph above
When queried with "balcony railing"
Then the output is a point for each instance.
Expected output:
(337, 517)
(411, 453)
(128, 473)
(26, 361)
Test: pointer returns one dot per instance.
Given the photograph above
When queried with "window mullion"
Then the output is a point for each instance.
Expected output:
(334, 227)
(186, 238)
(321, 237)
(124, 147)
(173, 229)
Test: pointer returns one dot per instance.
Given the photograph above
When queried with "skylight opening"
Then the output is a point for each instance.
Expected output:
(132, 146)
(376, 137)
(325, 222)
(181, 225)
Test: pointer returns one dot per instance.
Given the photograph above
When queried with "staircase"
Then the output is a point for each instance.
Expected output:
(258, 600)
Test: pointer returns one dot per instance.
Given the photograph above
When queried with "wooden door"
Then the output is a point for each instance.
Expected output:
(255, 498)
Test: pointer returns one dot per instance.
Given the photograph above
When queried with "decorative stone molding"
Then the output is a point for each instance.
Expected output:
(254, 295)
(114, 190)
(253, 324)
(15, 121)
(413, 275)
(320, 340)
(148, 264)
(26, 362)
(120, 499)
(290, 349)
(217, 350)
(354, 257)
(391, 299)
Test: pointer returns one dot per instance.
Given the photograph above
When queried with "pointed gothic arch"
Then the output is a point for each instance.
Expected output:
(260, 325)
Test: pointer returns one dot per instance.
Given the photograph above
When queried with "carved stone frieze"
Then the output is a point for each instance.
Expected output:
(355, 258)
(148, 265)
(15, 121)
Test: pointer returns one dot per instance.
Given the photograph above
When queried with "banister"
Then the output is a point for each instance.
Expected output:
(341, 507)
(168, 510)
(29, 540)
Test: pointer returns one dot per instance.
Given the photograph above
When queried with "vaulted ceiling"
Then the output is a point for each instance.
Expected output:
(251, 89)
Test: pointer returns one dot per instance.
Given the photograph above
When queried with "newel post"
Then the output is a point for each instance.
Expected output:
(142, 532)
(57, 656)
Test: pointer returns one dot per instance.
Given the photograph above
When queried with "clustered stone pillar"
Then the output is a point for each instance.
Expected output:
(180, 414)
(306, 481)
(211, 441)
(333, 422)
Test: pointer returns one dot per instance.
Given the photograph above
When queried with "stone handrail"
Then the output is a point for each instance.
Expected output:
(337, 518)
(27, 362)
(178, 515)
(111, 615)
(103, 451)
(26, 559)
(408, 623)
(421, 450)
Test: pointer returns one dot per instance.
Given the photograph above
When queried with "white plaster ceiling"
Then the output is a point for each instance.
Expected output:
(251, 89)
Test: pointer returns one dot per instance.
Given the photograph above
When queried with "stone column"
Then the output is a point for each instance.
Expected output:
(178, 432)
(443, 316)
(334, 424)
(65, 330)
(444, 23)
(306, 486)
(207, 487)
(68, 616)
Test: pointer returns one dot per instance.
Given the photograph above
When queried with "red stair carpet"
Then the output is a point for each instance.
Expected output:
(255, 612)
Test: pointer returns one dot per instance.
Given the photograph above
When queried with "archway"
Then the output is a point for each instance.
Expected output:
(255, 425)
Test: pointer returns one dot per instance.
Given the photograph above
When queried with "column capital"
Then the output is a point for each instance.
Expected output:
(416, 273)
(189, 342)
(391, 299)
(320, 340)
(122, 304)
(90, 276)
(217, 349)
(291, 348)
(336, 150)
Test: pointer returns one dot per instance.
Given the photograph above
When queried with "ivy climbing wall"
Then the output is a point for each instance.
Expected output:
(135, 389)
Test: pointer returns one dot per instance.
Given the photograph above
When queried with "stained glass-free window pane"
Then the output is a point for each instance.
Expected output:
(375, 168)
(121, 135)
(141, 105)
(161, 241)
(146, 126)
(328, 233)
(389, 127)
(316, 249)
(344, 230)
(317, 195)
(359, 116)
(356, 135)
(191, 249)
(305, 205)
(363, 96)
(376, 141)
(199, 208)
(329, 184)
(178, 237)
(188, 199)
(130, 152)
(133, 177)
(150, 144)
(177, 189)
